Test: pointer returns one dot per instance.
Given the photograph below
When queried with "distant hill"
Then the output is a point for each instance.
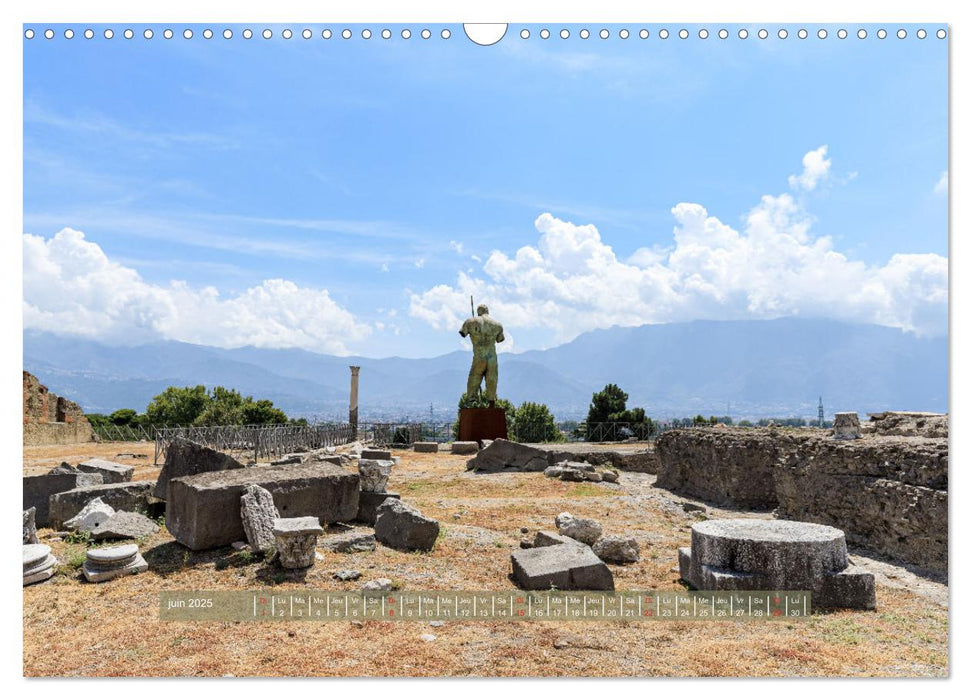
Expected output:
(759, 368)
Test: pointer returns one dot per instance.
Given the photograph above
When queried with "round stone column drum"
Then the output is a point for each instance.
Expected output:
(776, 555)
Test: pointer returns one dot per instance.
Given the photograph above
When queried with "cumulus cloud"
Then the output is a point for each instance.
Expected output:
(941, 186)
(815, 169)
(572, 281)
(72, 288)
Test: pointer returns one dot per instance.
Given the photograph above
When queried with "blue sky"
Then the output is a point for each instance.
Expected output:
(347, 195)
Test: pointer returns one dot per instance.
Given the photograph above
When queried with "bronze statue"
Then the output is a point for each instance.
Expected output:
(485, 332)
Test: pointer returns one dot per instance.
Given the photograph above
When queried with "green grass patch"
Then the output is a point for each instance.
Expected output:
(584, 491)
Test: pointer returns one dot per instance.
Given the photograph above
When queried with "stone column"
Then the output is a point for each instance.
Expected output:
(352, 417)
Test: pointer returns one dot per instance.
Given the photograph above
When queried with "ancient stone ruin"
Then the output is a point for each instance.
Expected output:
(572, 558)
(111, 562)
(258, 513)
(39, 563)
(296, 541)
(776, 555)
(203, 511)
(132, 496)
(565, 567)
(887, 493)
(846, 426)
(37, 491)
(50, 419)
(401, 526)
(187, 458)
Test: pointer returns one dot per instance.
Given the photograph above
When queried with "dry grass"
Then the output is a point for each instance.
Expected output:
(72, 628)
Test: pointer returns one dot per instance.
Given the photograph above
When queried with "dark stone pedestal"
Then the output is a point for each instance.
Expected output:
(482, 424)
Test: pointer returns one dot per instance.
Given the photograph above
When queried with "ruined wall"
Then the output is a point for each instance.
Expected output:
(933, 425)
(723, 466)
(50, 419)
(888, 494)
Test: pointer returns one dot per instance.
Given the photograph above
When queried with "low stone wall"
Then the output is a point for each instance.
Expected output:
(723, 466)
(57, 433)
(888, 494)
(630, 459)
(932, 425)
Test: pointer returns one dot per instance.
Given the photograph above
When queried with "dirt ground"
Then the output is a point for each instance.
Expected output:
(73, 628)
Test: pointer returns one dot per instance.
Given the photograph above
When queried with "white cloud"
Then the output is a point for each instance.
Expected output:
(384, 267)
(71, 287)
(420, 263)
(941, 186)
(456, 246)
(571, 281)
(815, 169)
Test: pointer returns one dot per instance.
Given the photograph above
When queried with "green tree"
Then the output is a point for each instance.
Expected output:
(97, 420)
(123, 416)
(225, 407)
(178, 405)
(610, 401)
(610, 406)
(535, 423)
(263, 412)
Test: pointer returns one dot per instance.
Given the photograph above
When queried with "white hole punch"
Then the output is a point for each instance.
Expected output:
(487, 34)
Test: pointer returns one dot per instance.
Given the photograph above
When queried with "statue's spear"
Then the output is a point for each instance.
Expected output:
(472, 305)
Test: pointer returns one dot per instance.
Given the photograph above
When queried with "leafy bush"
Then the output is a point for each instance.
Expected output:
(535, 423)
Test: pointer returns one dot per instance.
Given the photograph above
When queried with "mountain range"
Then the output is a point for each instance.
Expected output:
(742, 368)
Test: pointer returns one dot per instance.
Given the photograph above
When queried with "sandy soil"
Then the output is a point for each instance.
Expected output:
(72, 628)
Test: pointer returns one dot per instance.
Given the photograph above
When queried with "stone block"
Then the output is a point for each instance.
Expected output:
(257, 511)
(125, 526)
(374, 474)
(615, 549)
(547, 538)
(30, 526)
(203, 511)
(348, 542)
(402, 526)
(367, 510)
(425, 447)
(374, 453)
(131, 496)
(39, 489)
(505, 455)
(850, 588)
(584, 530)
(565, 567)
(465, 447)
(846, 426)
(186, 458)
(111, 472)
(684, 562)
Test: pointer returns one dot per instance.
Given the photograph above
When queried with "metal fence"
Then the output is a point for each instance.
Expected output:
(268, 441)
(563, 432)
(125, 433)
